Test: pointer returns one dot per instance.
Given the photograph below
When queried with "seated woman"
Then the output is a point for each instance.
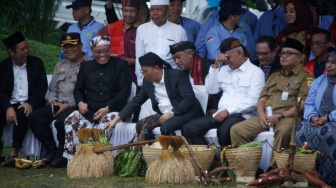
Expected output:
(319, 127)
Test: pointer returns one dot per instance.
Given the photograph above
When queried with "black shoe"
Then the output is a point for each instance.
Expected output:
(59, 162)
(10, 161)
(259, 171)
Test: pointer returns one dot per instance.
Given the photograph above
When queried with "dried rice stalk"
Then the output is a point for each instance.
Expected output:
(107, 162)
(166, 169)
(84, 135)
(85, 164)
(95, 133)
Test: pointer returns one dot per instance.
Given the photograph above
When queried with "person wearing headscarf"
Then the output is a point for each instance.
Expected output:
(300, 25)
(319, 126)
(172, 98)
(103, 86)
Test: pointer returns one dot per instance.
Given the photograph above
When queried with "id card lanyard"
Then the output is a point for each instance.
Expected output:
(284, 96)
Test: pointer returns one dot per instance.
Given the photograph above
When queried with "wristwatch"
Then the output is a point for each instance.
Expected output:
(171, 114)
(280, 117)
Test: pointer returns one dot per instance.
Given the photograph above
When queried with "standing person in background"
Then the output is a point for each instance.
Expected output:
(300, 25)
(23, 85)
(190, 26)
(320, 43)
(122, 34)
(61, 100)
(229, 18)
(272, 21)
(103, 86)
(156, 36)
(267, 54)
(87, 26)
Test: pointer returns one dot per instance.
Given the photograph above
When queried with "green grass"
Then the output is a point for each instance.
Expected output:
(50, 54)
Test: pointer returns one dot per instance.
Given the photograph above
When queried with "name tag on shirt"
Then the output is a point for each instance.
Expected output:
(284, 96)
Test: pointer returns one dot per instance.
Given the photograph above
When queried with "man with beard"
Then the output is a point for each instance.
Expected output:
(23, 85)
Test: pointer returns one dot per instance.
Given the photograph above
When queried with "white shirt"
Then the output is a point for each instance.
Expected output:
(151, 38)
(161, 96)
(241, 88)
(20, 90)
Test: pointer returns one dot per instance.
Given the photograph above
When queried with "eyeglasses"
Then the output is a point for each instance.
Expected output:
(317, 43)
(332, 62)
(287, 54)
(105, 51)
(263, 54)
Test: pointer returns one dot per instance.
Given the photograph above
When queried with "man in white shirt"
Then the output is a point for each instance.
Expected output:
(23, 85)
(171, 95)
(241, 83)
(156, 36)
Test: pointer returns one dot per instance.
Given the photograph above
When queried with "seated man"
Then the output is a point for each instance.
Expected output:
(103, 86)
(171, 95)
(61, 100)
(241, 83)
(23, 85)
(280, 92)
(186, 58)
(267, 55)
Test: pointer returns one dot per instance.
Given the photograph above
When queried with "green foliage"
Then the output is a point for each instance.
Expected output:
(32, 17)
(326, 7)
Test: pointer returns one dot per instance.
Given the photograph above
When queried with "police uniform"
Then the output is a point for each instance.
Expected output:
(296, 83)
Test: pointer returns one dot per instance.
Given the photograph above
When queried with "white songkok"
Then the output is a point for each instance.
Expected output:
(159, 2)
(100, 40)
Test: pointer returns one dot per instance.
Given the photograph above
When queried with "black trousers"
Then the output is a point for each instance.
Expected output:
(39, 123)
(19, 131)
(167, 128)
(194, 131)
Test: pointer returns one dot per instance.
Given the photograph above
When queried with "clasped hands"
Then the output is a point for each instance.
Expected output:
(11, 114)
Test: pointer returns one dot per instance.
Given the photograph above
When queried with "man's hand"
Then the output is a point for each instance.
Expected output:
(83, 108)
(262, 121)
(211, 111)
(164, 117)
(219, 117)
(110, 125)
(100, 113)
(28, 109)
(63, 107)
(272, 120)
(11, 116)
(220, 60)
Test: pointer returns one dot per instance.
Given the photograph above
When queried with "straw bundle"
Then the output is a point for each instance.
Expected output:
(83, 135)
(106, 160)
(85, 164)
(186, 168)
(95, 134)
(167, 169)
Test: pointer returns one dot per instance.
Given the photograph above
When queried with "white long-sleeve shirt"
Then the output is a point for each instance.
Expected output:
(20, 90)
(151, 38)
(241, 88)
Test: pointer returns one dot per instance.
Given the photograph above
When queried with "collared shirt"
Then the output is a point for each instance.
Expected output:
(151, 38)
(64, 80)
(191, 28)
(296, 83)
(161, 96)
(241, 88)
(87, 32)
(20, 90)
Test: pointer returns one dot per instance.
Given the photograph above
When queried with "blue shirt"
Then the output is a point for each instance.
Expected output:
(191, 28)
(250, 19)
(214, 21)
(87, 32)
(271, 22)
(217, 34)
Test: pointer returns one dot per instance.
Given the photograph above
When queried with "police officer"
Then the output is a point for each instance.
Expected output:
(280, 92)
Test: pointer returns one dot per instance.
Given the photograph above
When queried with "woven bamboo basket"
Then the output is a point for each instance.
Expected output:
(78, 146)
(303, 161)
(245, 161)
(203, 154)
